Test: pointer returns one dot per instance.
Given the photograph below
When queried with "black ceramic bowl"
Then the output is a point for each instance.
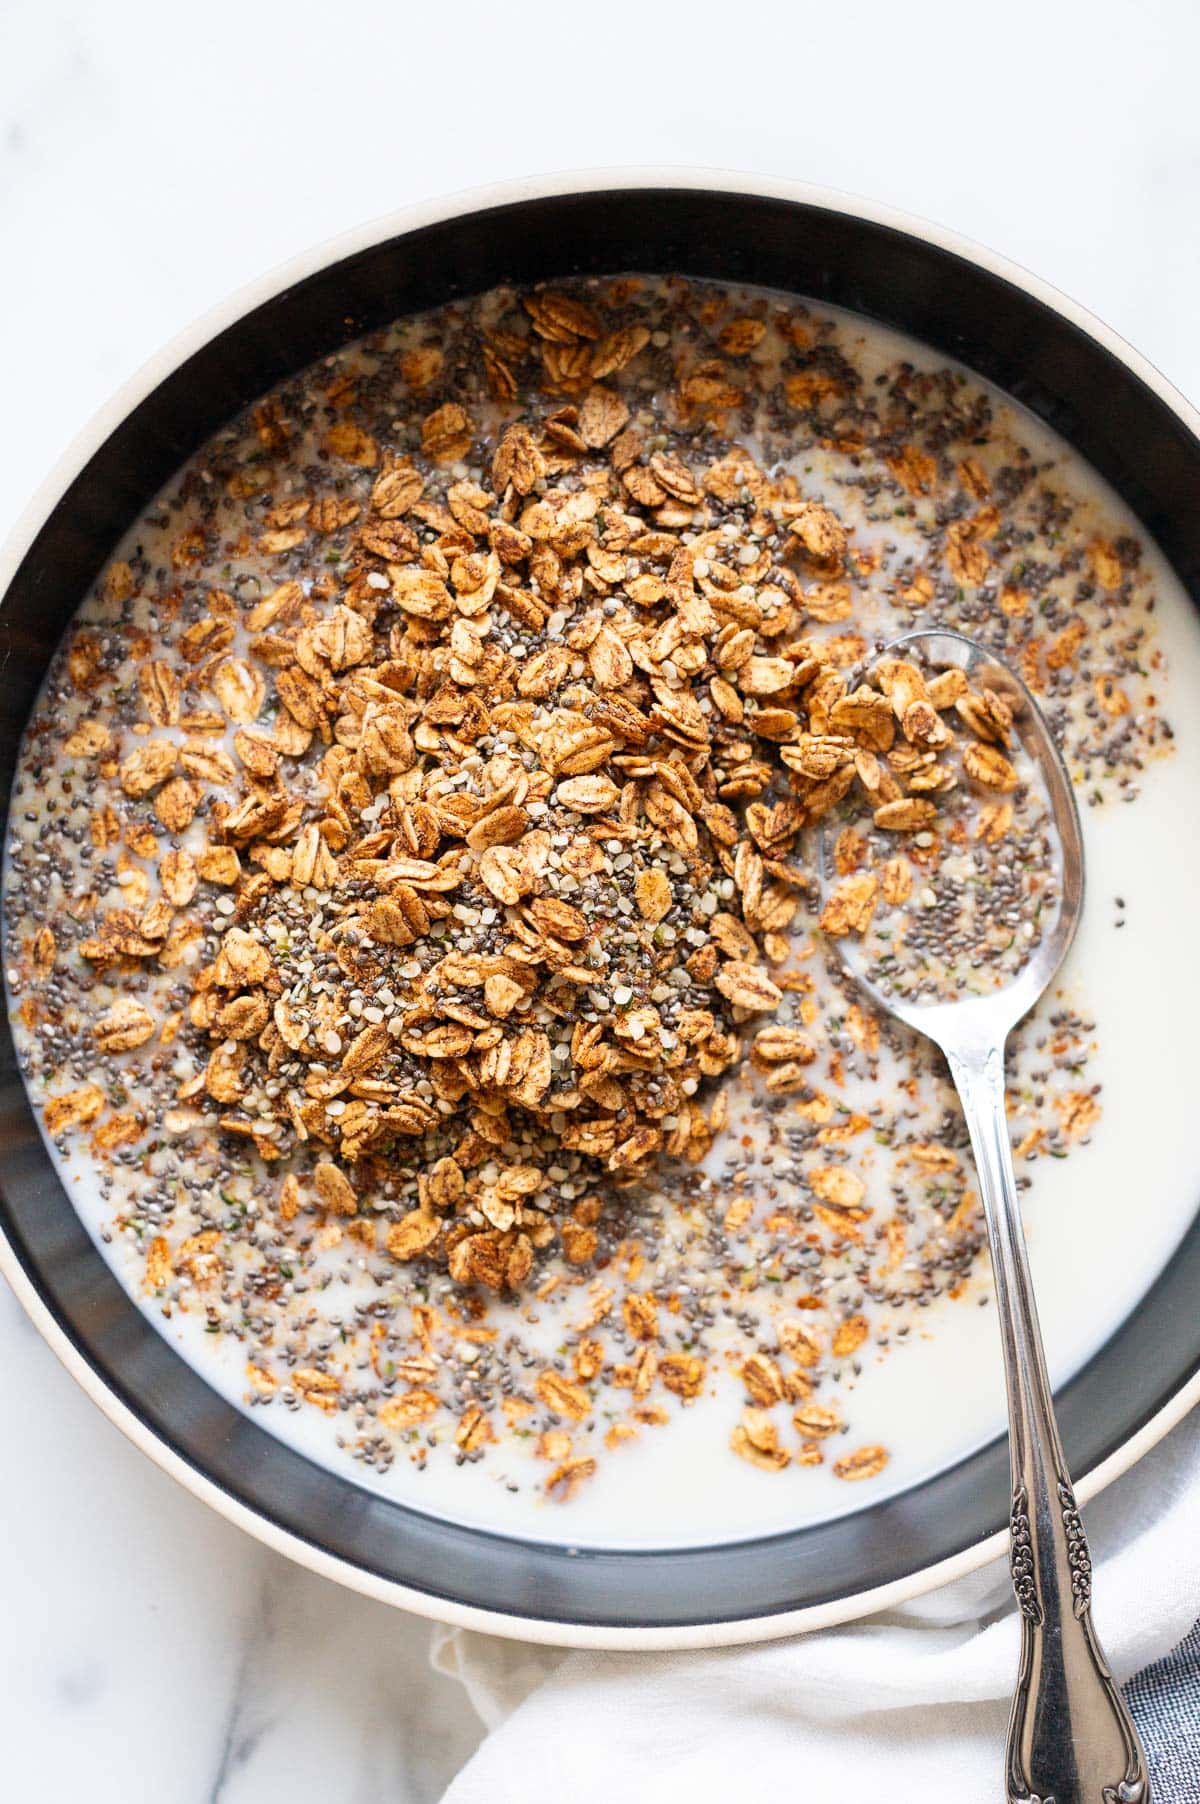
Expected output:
(1067, 368)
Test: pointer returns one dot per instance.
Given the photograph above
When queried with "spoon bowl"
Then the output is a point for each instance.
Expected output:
(1071, 1739)
(1009, 1003)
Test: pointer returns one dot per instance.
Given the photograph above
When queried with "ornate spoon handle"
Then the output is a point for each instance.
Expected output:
(1071, 1739)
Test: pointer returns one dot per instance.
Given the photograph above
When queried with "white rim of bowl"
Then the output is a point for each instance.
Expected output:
(30, 522)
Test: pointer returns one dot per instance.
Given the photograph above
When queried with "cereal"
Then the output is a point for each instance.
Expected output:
(433, 936)
(988, 868)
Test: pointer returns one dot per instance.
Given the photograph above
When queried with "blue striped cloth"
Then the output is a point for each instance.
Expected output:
(1165, 1700)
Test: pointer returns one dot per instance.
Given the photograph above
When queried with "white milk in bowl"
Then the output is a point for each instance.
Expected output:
(410, 936)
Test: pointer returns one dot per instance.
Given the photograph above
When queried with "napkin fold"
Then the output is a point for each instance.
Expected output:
(891, 1706)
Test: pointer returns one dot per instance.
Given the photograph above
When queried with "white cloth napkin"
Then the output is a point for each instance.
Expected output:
(886, 1707)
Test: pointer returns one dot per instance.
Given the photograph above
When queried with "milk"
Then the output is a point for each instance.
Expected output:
(1101, 1224)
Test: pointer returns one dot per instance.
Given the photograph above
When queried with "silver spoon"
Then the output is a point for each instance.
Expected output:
(1070, 1738)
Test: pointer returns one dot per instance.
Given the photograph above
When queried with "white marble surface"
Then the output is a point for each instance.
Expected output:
(152, 158)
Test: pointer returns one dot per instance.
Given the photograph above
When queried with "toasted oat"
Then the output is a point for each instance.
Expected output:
(562, 1397)
(849, 1336)
(125, 1025)
(989, 766)
(756, 1439)
(864, 1462)
(763, 1380)
(74, 1108)
(850, 905)
(815, 1420)
(452, 844)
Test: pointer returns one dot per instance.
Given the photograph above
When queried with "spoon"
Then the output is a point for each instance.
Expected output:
(1070, 1737)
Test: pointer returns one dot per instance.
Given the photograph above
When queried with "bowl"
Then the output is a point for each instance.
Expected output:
(1046, 352)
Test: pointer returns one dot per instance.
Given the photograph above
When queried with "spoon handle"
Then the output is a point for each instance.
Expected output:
(1071, 1739)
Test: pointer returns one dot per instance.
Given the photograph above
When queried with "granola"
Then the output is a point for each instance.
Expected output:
(411, 919)
(963, 910)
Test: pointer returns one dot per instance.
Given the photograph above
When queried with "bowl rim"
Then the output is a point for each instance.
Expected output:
(87, 441)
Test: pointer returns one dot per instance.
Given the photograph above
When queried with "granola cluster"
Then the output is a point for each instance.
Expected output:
(990, 850)
(514, 859)
(411, 909)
